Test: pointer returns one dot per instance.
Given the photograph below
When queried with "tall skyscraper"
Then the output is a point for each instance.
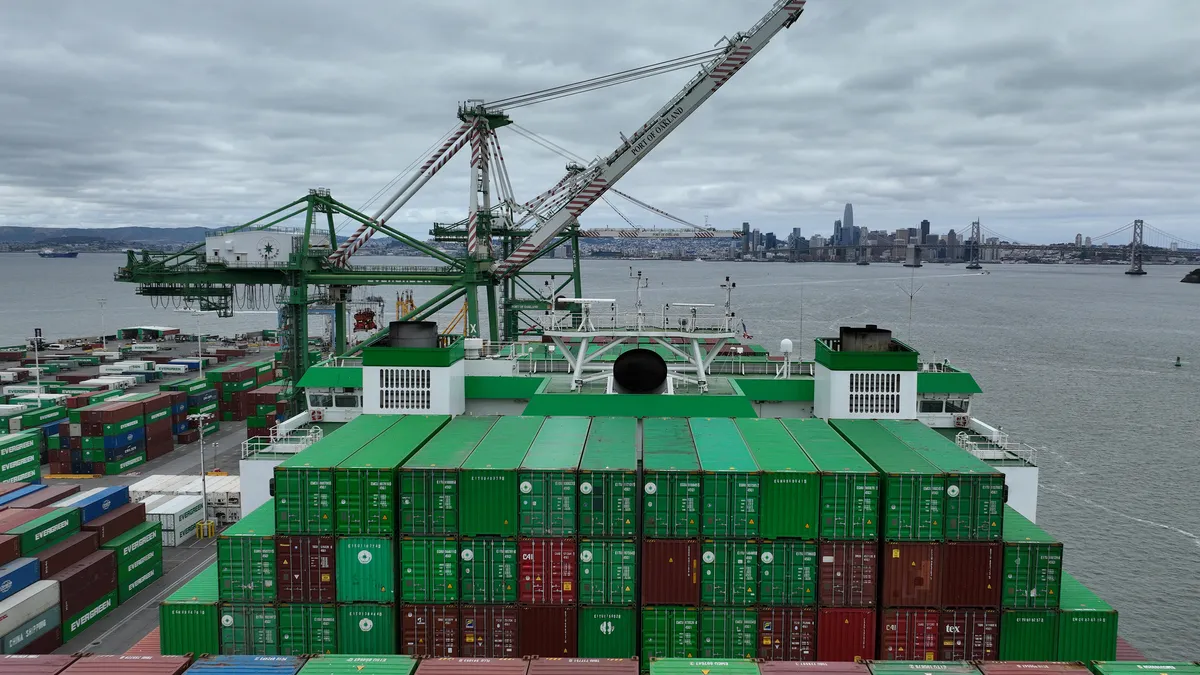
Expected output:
(1079, 240)
(848, 218)
(837, 233)
(924, 230)
(794, 240)
(745, 238)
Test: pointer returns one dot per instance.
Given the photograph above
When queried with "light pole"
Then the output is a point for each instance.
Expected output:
(103, 329)
(205, 525)
(37, 368)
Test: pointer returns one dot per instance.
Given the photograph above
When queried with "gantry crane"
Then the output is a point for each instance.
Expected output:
(501, 238)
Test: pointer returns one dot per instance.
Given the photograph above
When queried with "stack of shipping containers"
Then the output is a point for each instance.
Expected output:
(265, 406)
(201, 400)
(1033, 562)
(20, 457)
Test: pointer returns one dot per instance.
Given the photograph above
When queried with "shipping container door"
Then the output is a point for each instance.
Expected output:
(787, 573)
(607, 632)
(848, 572)
(489, 570)
(488, 631)
(732, 485)
(728, 633)
(429, 630)
(547, 571)
(549, 631)
(366, 567)
(487, 481)
(307, 629)
(547, 479)
(729, 573)
(428, 570)
(671, 480)
(787, 634)
(607, 572)
(608, 488)
(845, 634)
(670, 632)
(366, 628)
(670, 572)
(909, 635)
(429, 480)
(250, 629)
(790, 486)
(969, 635)
(1029, 635)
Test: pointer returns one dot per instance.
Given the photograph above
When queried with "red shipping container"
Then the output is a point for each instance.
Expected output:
(429, 630)
(66, 553)
(969, 635)
(156, 402)
(58, 456)
(488, 631)
(583, 667)
(47, 495)
(910, 574)
(188, 437)
(813, 668)
(1033, 668)
(6, 488)
(10, 548)
(86, 581)
(787, 634)
(159, 448)
(150, 645)
(158, 429)
(547, 571)
(972, 574)
(177, 397)
(548, 631)
(909, 635)
(304, 568)
(460, 666)
(847, 573)
(14, 516)
(129, 665)
(44, 645)
(670, 572)
(845, 634)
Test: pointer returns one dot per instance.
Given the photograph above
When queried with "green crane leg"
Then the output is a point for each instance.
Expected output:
(472, 329)
(493, 314)
(339, 328)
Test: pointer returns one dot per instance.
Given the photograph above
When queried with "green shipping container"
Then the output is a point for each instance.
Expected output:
(547, 478)
(307, 629)
(670, 632)
(914, 491)
(304, 497)
(728, 633)
(487, 487)
(790, 487)
(488, 568)
(145, 576)
(365, 628)
(89, 616)
(729, 573)
(923, 667)
(607, 632)
(671, 480)
(341, 664)
(787, 573)
(732, 484)
(429, 570)
(608, 487)
(974, 490)
(20, 443)
(429, 502)
(705, 667)
(122, 465)
(1032, 564)
(1029, 635)
(251, 629)
(1140, 667)
(1087, 626)
(45, 531)
(608, 572)
(366, 569)
(246, 558)
(189, 619)
(365, 482)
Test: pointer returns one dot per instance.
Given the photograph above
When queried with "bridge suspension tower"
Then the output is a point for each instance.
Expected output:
(1135, 250)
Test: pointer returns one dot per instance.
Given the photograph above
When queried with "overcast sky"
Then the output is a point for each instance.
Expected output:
(1043, 119)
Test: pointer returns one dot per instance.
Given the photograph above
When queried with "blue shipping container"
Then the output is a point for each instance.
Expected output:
(247, 665)
(113, 454)
(180, 428)
(179, 408)
(17, 494)
(191, 365)
(51, 428)
(18, 575)
(203, 398)
(93, 504)
(125, 438)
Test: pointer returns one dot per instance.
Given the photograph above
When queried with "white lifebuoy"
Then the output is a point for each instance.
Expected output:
(317, 415)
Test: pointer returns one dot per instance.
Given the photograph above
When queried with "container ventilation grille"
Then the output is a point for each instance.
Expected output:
(874, 393)
(405, 388)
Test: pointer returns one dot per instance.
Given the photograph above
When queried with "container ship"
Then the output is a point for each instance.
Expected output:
(48, 253)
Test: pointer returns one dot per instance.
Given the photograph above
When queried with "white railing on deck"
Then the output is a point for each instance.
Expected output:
(287, 443)
(996, 446)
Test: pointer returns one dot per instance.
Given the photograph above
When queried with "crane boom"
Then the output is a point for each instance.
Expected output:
(602, 174)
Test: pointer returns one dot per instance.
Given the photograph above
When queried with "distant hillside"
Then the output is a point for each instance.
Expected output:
(83, 236)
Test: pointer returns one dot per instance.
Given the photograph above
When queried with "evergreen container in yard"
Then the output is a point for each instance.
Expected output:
(728, 573)
(608, 487)
(366, 628)
(341, 664)
(670, 632)
(1138, 667)
(429, 480)
(1029, 635)
(850, 492)
(1087, 626)
(45, 531)
(728, 633)
(547, 478)
(705, 667)
(189, 619)
(487, 481)
(732, 484)
(974, 489)
(304, 490)
(365, 482)
(914, 491)
(1032, 564)
(366, 569)
(307, 629)
(246, 558)
(670, 480)
(608, 572)
(138, 552)
(488, 570)
(250, 629)
(608, 632)
(429, 570)
(787, 573)
(790, 486)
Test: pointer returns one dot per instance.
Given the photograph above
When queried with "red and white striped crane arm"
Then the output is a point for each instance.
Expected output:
(602, 174)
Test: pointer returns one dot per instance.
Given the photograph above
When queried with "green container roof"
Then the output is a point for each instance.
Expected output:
(773, 447)
(939, 450)
(453, 444)
(258, 523)
(132, 534)
(332, 377)
(1018, 528)
(884, 450)
(354, 664)
(611, 445)
(506, 444)
(702, 667)
(898, 667)
(345, 441)
(559, 445)
(1075, 597)
(667, 445)
(199, 590)
(1145, 668)
(829, 452)
(393, 446)
(720, 447)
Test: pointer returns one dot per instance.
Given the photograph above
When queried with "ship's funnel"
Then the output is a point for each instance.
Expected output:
(413, 334)
(640, 371)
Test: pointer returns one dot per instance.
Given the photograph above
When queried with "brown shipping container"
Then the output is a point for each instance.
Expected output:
(972, 574)
(10, 548)
(429, 630)
(482, 666)
(11, 518)
(847, 574)
(813, 668)
(66, 553)
(583, 666)
(157, 449)
(969, 635)
(45, 644)
(909, 635)
(87, 581)
(46, 496)
(121, 412)
(1032, 668)
(670, 572)
(911, 575)
(548, 631)
(6, 488)
(304, 569)
(47, 664)
(489, 631)
(129, 665)
(150, 645)
(547, 571)
(787, 634)
(845, 634)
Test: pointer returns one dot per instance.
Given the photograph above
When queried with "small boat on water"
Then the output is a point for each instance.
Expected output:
(48, 253)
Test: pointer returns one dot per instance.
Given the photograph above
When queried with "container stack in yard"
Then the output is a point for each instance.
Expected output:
(200, 398)
(265, 407)
(234, 383)
(115, 435)
(20, 457)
